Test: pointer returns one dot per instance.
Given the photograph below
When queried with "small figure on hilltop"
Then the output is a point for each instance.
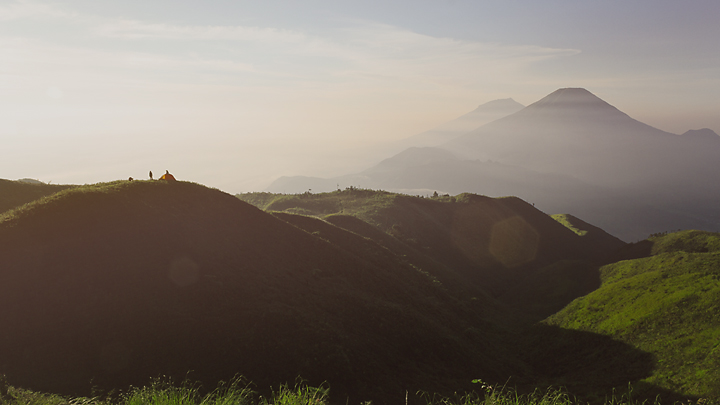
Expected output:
(167, 176)
(151, 175)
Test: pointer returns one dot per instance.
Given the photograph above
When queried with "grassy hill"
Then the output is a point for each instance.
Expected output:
(666, 305)
(483, 238)
(16, 193)
(533, 263)
(375, 293)
(651, 320)
(110, 284)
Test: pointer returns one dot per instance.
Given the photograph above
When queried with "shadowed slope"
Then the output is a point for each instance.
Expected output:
(470, 234)
(114, 283)
(595, 236)
(489, 242)
(336, 230)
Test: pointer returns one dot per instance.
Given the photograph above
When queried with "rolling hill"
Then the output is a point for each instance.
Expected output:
(377, 294)
(498, 246)
(586, 359)
(452, 229)
(16, 193)
(110, 284)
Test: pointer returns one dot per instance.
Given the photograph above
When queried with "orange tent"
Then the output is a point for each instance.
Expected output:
(167, 176)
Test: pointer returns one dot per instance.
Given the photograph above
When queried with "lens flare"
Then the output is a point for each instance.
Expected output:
(513, 242)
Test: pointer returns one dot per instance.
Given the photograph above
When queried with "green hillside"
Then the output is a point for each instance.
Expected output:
(488, 241)
(531, 262)
(685, 241)
(110, 284)
(666, 305)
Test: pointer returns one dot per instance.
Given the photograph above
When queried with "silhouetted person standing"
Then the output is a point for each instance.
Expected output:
(150, 174)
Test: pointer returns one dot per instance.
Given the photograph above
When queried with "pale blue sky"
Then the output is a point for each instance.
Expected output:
(235, 93)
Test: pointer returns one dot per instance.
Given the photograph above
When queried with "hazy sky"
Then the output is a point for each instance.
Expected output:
(233, 93)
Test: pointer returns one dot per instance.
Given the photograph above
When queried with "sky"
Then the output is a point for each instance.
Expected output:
(233, 94)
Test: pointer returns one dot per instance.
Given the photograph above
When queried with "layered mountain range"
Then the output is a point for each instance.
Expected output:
(569, 152)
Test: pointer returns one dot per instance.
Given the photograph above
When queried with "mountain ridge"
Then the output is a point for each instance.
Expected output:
(570, 152)
(568, 131)
(704, 134)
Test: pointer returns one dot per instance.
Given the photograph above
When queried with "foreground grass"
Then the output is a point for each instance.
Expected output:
(239, 392)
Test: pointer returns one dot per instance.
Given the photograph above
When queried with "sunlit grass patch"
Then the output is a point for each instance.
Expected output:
(165, 392)
(504, 395)
(300, 394)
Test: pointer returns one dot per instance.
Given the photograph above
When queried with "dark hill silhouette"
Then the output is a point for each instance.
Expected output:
(110, 284)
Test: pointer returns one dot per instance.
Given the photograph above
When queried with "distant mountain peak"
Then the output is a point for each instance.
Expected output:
(573, 97)
(704, 133)
(575, 102)
(574, 90)
(28, 180)
(503, 104)
(483, 114)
